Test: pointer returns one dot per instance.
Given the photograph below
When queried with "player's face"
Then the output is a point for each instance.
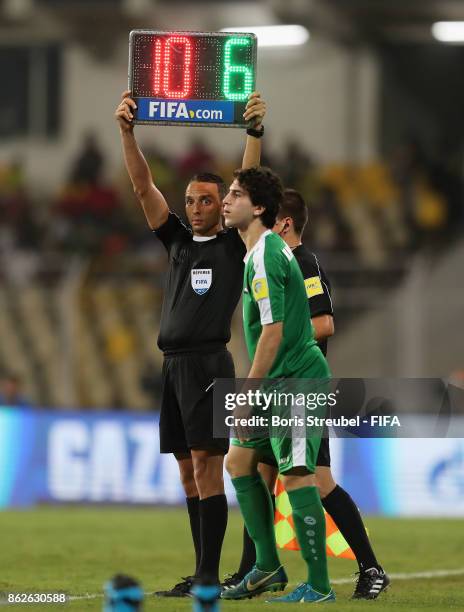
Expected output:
(203, 207)
(238, 208)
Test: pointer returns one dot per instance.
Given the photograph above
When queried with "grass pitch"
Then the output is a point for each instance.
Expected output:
(76, 549)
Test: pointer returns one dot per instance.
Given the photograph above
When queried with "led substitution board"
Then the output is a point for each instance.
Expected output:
(191, 78)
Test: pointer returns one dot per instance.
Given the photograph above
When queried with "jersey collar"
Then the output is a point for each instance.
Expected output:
(204, 238)
(260, 239)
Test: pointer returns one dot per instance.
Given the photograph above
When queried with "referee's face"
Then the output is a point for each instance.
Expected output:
(203, 208)
(238, 208)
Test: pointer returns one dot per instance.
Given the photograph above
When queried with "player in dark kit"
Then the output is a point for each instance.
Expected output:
(203, 286)
(291, 221)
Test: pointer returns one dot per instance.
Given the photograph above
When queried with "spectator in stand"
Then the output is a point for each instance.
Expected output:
(196, 159)
(446, 178)
(296, 164)
(17, 225)
(409, 166)
(88, 166)
(11, 391)
(329, 232)
(89, 208)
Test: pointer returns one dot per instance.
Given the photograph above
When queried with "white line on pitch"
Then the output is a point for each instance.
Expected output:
(430, 574)
(413, 576)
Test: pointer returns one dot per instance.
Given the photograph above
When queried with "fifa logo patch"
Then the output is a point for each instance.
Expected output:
(201, 280)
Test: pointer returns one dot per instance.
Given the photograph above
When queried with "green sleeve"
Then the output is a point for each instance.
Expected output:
(270, 268)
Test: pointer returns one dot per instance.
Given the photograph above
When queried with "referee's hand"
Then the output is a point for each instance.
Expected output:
(124, 112)
(255, 109)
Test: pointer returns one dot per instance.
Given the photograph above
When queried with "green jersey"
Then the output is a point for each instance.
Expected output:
(273, 291)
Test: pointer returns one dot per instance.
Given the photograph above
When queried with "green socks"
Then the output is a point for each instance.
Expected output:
(309, 520)
(256, 506)
(308, 517)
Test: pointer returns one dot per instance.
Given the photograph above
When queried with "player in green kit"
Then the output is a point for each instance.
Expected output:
(281, 344)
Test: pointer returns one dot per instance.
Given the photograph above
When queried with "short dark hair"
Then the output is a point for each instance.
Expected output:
(265, 189)
(208, 177)
(294, 206)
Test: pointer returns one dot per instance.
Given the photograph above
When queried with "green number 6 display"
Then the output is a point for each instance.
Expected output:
(230, 69)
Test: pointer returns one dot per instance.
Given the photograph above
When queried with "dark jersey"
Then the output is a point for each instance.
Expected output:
(203, 286)
(317, 286)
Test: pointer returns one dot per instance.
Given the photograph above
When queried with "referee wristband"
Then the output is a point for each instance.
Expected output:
(255, 133)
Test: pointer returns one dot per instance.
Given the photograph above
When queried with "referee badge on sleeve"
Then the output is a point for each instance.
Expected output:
(201, 280)
(313, 286)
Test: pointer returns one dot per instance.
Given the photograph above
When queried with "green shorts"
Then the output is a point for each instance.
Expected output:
(294, 446)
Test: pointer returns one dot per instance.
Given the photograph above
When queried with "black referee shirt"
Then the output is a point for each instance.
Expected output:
(203, 286)
(317, 286)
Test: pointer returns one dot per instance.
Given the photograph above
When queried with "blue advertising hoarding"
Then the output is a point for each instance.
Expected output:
(84, 457)
(60, 457)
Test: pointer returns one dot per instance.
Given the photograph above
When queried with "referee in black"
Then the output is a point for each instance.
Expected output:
(203, 287)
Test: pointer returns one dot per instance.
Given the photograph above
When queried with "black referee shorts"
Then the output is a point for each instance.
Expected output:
(323, 458)
(186, 419)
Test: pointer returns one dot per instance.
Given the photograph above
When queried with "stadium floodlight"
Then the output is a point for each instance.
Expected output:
(276, 35)
(449, 31)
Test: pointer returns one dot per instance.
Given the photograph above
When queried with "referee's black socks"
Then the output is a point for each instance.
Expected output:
(213, 522)
(193, 507)
(345, 513)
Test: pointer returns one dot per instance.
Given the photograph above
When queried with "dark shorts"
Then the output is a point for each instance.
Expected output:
(186, 419)
(323, 457)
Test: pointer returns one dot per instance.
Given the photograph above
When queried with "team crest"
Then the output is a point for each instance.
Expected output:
(201, 280)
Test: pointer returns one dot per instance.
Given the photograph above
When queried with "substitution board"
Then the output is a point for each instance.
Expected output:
(191, 78)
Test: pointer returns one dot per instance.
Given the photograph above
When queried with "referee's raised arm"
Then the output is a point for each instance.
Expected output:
(152, 200)
(254, 113)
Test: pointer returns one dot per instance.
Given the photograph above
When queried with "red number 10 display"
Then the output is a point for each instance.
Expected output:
(162, 67)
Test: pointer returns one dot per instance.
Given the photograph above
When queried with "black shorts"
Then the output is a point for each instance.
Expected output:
(323, 457)
(186, 419)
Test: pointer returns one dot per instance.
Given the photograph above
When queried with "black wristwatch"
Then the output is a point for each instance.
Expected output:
(255, 133)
